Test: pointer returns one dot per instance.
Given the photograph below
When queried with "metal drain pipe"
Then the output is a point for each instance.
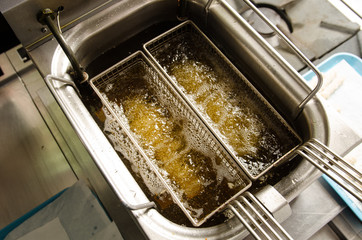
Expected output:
(46, 17)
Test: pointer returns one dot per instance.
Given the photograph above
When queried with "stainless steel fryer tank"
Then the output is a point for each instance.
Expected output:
(280, 84)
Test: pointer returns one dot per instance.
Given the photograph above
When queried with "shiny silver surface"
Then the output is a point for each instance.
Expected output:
(72, 148)
(32, 166)
(312, 22)
(281, 85)
(275, 203)
(256, 218)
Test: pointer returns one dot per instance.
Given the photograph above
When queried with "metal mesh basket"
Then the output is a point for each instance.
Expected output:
(185, 53)
(133, 87)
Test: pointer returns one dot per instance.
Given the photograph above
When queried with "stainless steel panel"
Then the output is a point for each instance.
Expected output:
(32, 166)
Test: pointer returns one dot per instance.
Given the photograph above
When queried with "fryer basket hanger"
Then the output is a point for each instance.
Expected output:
(299, 53)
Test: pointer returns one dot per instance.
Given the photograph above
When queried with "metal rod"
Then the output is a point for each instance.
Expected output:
(258, 221)
(46, 17)
(248, 213)
(332, 165)
(330, 159)
(296, 50)
(264, 215)
(244, 222)
(261, 218)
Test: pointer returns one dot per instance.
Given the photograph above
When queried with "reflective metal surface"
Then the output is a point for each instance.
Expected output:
(318, 27)
(46, 18)
(72, 147)
(271, 75)
(32, 166)
(295, 49)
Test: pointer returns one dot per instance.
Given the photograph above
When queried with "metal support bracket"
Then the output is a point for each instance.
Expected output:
(259, 222)
(332, 165)
(296, 51)
(67, 82)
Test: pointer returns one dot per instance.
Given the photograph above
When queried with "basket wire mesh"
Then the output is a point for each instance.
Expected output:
(162, 51)
(137, 67)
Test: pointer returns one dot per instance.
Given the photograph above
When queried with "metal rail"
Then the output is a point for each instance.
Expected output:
(290, 44)
(333, 165)
(295, 49)
(259, 222)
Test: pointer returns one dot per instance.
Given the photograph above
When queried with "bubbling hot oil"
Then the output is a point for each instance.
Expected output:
(240, 126)
(187, 163)
(228, 105)
(136, 165)
(163, 138)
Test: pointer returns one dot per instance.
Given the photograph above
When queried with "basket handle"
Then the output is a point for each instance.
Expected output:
(49, 79)
(333, 166)
(296, 51)
(259, 222)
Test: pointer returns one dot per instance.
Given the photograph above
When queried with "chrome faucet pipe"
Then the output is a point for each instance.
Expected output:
(46, 17)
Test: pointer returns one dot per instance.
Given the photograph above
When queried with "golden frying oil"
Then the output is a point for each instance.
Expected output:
(225, 101)
(187, 162)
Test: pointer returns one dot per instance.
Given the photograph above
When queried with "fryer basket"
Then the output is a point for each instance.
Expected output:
(172, 46)
(108, 84)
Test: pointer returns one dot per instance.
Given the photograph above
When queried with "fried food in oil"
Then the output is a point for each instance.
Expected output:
(163, 137)
(240, 127)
